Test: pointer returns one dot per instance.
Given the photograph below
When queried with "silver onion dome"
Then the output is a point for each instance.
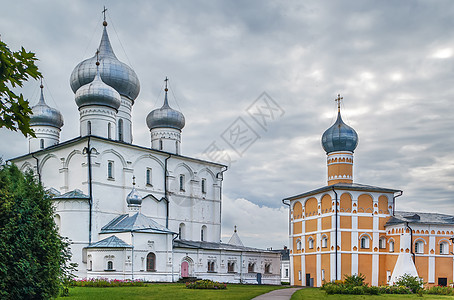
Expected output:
(133, 198)
(43, 114)
(339, 137)
(165, 117)
(98, 93)
(113, 72)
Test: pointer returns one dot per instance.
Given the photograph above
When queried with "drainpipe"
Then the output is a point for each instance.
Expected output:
(165, 190)
(220, 175)
(37, 167)
(335, 238)
(132, 255)
(411, 243)
(394, 201)
(177, 235)
(90, 189)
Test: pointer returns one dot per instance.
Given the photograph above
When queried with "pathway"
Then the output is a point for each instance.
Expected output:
(282, 294)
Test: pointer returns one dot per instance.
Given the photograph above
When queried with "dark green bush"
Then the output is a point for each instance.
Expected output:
(440, 290)
(411, 282)
(355, 280)
(206, 284)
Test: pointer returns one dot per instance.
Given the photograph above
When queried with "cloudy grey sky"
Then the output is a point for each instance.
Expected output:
(392, 61)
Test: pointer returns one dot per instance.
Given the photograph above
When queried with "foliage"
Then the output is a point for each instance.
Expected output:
(105, 282)
(355, 280)
(440, 290)
(206, 284)
(34, 260)
(15, 68)
(411, 282)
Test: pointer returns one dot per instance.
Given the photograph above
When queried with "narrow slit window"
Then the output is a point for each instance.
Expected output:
(182, 183)
(120, 130)
(110, 170)
(148, 176)
(204, 186)
(89, 127)
(41, 143)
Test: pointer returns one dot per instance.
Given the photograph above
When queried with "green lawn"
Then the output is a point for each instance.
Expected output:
(169, 291)
(316, 294)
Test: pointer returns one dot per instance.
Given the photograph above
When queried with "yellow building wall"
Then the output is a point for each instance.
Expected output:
(311, 267)
(383, 205)
(325, 265)
(310, 207)
(345, 222)
(346, 238)
(365, 266)
(345, 203)
(346, 265)
(365, 203)
(326, 223)
(422, 266)
(382, 269)
(311, 225)
(297, 269)
(297, 227)
(443, 268)
(365, 222)
(297, 210)
(326, 204)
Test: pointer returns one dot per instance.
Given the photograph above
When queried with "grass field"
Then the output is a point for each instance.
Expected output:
(316, 294)
(169, 291)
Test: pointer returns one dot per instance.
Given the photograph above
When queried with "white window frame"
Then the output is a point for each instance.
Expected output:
(419, 247)
(204, 186)
(324, 241)
(110, 170)
(149, 177)
(298, 244)
(391, 245)
(310, 243)
(366, 244)
(444, 248)
(181, 178)
(382, 243)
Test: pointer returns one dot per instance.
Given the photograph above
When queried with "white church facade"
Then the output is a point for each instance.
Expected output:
(135, 212)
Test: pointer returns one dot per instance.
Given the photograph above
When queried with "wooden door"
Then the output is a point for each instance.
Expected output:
(185, 269)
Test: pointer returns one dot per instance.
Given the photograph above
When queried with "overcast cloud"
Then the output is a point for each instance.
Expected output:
(392, 61)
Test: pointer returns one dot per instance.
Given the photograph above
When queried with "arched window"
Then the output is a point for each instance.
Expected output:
(203, 233)
(120, 130)
(268, 268)
(444, 248)
(419, 247)
(41, 143)
(364, 242)
(148, 176)
(181, 183)
(110, 170)
(382, 243)
(298, 244)
(151, 262)
(231, 267)
(89, 127)
(109, 131)
(181, 230)
(211, 266)
(391, 246)
(110, 265)
(204, 186)
(324, 241)
(310, 243)
(250, 267)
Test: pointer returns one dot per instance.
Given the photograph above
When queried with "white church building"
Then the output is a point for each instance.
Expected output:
(135, 212)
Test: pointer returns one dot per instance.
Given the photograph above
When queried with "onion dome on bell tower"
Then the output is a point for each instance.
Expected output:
(114, 73)
(46, 122)
(98, 106)
(339, 142)
(165, 126)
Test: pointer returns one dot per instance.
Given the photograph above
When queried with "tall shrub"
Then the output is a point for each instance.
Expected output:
(33, 257)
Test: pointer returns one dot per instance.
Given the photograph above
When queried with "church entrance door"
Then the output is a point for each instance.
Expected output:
(185, 269)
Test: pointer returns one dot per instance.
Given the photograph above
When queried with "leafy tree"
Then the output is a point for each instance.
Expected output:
(414, 283)
(34, 260)
(15, 68)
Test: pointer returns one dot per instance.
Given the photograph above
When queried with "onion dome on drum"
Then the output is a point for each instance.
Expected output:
(98, 93)
(113, 72)
(339, 137)
(45, 115)
(165, 117)
(133, 198)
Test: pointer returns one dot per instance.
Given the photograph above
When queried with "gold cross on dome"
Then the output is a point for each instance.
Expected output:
(338, 100)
